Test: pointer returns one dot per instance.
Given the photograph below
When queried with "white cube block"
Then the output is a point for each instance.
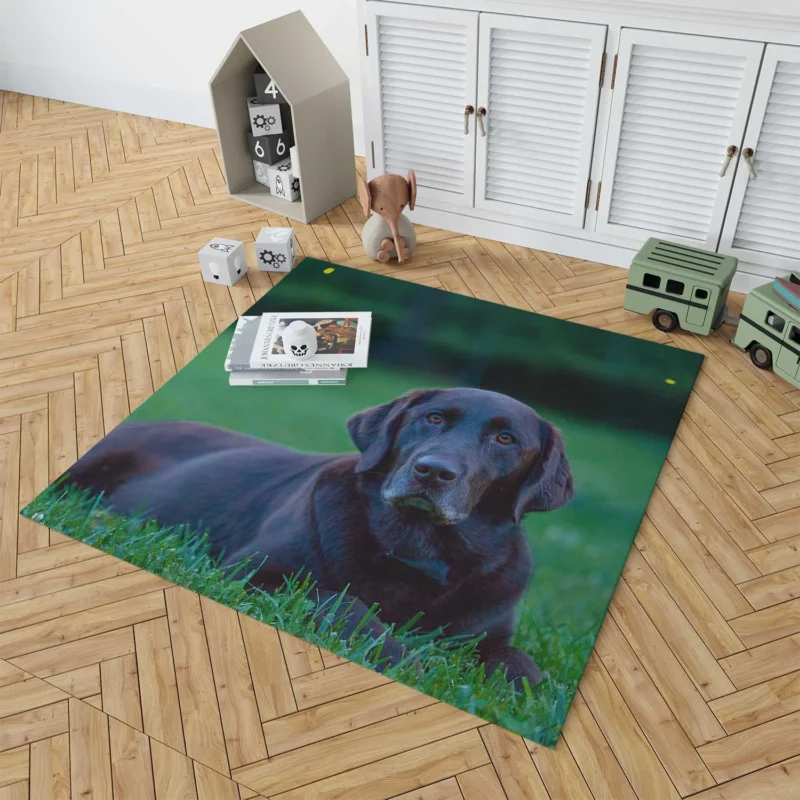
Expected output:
(223, 261)
(295, 161)
(276, 249)
(260, 171)
(281, 181)
(267, 118)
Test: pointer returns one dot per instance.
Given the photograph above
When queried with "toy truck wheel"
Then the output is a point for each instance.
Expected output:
(665, 320)
(760, 356)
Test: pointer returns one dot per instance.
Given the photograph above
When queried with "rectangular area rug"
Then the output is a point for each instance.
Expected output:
(457, 516)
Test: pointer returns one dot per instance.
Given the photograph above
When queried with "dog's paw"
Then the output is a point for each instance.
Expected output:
(516, 665)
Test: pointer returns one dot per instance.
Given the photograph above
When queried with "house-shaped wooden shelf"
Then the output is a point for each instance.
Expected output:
(318, 91)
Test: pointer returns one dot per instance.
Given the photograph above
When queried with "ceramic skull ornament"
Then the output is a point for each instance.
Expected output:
(299, 339)
(388, 195)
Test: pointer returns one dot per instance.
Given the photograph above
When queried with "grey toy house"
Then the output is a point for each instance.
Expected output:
(289, 50)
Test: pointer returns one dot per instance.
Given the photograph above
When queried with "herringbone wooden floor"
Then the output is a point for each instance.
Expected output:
(115, 684)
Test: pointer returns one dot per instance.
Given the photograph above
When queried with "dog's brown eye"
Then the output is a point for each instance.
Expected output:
(435, 417)
(505, 438)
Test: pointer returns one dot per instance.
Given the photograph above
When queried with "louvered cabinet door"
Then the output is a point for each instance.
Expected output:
(762, 225)
(422, 76)
(539, 83)
(679, 102)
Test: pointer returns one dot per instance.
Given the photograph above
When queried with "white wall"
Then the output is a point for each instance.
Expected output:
(151, 57)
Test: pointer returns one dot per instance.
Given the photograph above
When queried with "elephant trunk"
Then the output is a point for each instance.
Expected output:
(393, 227)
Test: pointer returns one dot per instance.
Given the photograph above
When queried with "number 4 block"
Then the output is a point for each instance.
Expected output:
(270, 149)
(267, 90)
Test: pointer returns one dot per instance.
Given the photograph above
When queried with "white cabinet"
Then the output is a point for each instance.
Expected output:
(762, 225)
(538, 86)
(588, 134)
(679, 103)
(423, 77)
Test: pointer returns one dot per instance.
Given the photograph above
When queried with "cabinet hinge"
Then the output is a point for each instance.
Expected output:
(366, 40)
(372, 148)
(614, 71)
(603, 69)
(588, 192)
(597, 199)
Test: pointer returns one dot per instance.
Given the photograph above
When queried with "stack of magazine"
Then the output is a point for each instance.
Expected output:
(256, 355)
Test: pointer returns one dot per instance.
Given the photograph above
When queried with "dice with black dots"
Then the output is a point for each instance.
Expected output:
(223, 261)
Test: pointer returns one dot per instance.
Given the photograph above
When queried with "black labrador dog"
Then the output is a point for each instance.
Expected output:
(425, 519)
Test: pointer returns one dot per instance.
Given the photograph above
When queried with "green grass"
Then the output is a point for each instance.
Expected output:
(444, 667)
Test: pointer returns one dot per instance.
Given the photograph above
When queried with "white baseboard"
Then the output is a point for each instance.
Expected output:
(191, 108)
(601, 252)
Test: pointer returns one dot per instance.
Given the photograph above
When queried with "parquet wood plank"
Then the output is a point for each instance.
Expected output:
(349, 751)
(202, 726)
(131, 766)
(695, 604)
(663, 731)
(401, 773)
(80, 683)
(119, 685)
(173, 774)
(31, 726)
(271, 681)
(81, 653)
(517, 773)
(90, 754)
(241, 725)
(316, 724)
(49, 768)
(685, 642)
(9, 503)
(14, 766)
(161, 712)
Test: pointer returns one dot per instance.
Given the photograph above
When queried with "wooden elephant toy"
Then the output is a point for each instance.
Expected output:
(388, 233)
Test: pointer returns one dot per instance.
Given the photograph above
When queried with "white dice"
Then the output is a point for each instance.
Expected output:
(223, 261)
(295, 161)
(268, 118)
(275, 249)
(282, 183)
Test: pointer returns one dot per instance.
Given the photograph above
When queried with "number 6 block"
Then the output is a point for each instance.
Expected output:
(270, 149)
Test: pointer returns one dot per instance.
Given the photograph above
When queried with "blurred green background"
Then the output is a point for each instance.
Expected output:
(609, 394)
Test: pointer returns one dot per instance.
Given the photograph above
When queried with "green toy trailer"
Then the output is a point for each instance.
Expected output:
(682, 286)
(769, 329)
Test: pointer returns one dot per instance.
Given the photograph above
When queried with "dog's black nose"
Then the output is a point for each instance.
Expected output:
(434, 471)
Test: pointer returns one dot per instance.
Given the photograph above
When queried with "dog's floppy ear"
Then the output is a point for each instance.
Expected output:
(373, 431)
(549, 485)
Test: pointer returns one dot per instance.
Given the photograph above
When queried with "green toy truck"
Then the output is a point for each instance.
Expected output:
(687, 287)
(681, 285)
(769, 329)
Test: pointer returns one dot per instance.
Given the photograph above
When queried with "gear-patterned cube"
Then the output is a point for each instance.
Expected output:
(276, 249)
(282, 183)
(268, 119)
(223, 261)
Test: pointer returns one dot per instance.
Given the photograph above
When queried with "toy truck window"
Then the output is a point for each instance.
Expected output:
(701, 294)
(794, 335)
(774, 321)
(651, 281)
(675, 287)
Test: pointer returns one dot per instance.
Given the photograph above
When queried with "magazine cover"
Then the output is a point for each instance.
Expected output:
(312, 340)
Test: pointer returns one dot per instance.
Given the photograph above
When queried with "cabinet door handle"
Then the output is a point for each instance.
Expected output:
(732, 151)
(480, 114)
(468, 110)
(748, 154)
